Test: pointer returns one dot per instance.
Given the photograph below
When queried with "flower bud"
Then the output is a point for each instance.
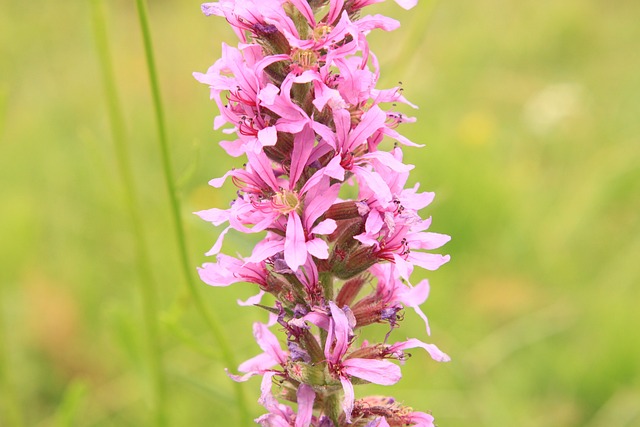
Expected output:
(356, 262)
(307, 373)
(346, 210)
(271, 39)
(350, 290)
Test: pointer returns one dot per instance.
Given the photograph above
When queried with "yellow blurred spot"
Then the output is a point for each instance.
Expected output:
(56, 330)
(503, 297)
(477, 128)
(204, 197)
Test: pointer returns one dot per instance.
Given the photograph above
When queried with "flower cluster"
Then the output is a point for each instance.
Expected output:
(299, 93)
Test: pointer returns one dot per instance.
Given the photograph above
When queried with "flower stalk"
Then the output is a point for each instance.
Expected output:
(146, 283)
(210, 321)
(299, 93)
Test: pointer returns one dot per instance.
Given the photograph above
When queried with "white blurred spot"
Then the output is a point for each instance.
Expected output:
(552, 105)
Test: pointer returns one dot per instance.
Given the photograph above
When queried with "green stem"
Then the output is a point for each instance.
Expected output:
(212, 322)
(326, 280)
(332, 407)
(146, 284)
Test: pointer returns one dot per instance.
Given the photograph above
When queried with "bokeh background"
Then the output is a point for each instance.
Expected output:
(531, 118)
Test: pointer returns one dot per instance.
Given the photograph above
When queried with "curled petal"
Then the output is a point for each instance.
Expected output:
(218, 245)
(252, 300)
(435, 353)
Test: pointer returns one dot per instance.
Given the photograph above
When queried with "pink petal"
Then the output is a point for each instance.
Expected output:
(268, 136)
(218, 182)
(302, 147)
(374, 222)
(266, 397)
(261, 165)
(404, 268)
(375, 182)
(306, 397)
(349, 395)
(252, 300)
(342, 120)
(257, 364)
(233, 148)
(413, 296)
(428, 261)
(420, 419)
(368, 23)
(295, 249)
(268, 342)
(372, 120)
(389, 161)
(335, 7)
(218, 245)
(341, 331)
(334, 169)
(305, 9)
(435, 353)
(401, 139)
(264, 250)
(325, 95)
(407, 4)
(241, 378)
(429, 240)
(318, 248)
(327, 226)
(268, 94)
(214, 215)
(378, 422)
(376, 371)
(215, 275)
(326, 133)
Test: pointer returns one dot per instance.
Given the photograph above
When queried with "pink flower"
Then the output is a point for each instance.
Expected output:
(281, 415)
(376, 371)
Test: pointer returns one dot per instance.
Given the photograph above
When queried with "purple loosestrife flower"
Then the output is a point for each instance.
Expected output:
(299, 96)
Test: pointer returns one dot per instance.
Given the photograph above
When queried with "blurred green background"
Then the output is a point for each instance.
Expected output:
(531, 118)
